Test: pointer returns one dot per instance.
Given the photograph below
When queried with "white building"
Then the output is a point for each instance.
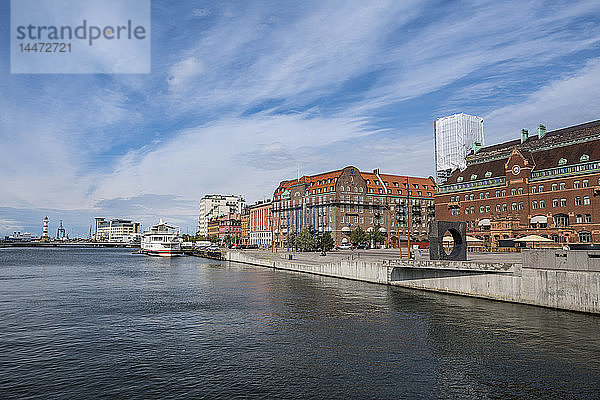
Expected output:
(116, 230)
(216, 205)
(455, 137)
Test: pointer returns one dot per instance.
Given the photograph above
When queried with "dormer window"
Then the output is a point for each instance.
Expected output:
(562, 161)
(473, 177)
(488, 174)
(584, 158)
(459, 179)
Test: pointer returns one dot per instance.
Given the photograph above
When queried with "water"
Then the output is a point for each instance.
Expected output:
(103, 323)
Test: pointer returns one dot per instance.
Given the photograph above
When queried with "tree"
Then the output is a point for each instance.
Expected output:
(291, 240)
(358, 236)
(326, 242)
(307, 241)
(376, 236)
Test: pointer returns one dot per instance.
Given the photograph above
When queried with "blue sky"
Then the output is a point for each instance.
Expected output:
(241, 93)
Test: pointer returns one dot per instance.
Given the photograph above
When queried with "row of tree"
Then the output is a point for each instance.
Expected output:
(308, 240)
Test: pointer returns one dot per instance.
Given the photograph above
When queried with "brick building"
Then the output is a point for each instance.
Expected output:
(230, 226)
(260, 223)
(547, 184)
(245, 226)
(339, 201)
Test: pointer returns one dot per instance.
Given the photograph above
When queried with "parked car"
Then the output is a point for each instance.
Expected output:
(362, 246)
(345, 246)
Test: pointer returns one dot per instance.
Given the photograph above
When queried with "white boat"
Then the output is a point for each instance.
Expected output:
(162, 240)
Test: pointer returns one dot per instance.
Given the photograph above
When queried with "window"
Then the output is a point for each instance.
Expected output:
(481, 209)
(540, 188)
(534, 204)
(520, 205)
(554, 202)
(481, 196)
(561, 220)
(563, 202)
(576, 185)
(577, 201)
(585, 183)
(466, 197)
(513, 191)
(513, 206)
(497, 193)
(472, 210)
(466, 210)
(579, 219)
(504, 207)
(542, 203)
(586, 201)
(487, 209)
(588, 218)
(562, 186)
(585, 237)
(520, 191)
(498, 207)
(554, 187)
(533, 189)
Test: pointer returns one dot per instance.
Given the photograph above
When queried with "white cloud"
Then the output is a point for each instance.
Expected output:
(231, 156)
(567, 101)
(183, 72)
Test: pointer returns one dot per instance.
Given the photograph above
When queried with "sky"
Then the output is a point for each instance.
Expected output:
(244, 94)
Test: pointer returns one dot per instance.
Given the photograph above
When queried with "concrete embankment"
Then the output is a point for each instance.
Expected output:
(568, 280)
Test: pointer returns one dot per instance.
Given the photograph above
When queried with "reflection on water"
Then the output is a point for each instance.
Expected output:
(104, 323)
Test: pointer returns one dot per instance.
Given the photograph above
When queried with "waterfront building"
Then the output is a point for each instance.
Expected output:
(213, 228)
(455, 137)
(20, 237)
(341, 200)
(230, 227)
(546, 184)
(261, 233)
(216, 205)
(245, 227)
(116, 230)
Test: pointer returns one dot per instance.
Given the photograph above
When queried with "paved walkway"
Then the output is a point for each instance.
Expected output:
(373, 255)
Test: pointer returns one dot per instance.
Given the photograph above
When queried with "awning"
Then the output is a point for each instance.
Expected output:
(534, 238)
(539, 219)
(484, 222)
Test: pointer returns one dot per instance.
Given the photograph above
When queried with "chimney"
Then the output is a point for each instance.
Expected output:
(376, 171)
(541, 131)
(477, 147)
(524, 135)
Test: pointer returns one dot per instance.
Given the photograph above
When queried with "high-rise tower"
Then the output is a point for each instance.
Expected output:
(455, 137)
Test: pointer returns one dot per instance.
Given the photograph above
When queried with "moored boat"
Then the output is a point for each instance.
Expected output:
(162, 240)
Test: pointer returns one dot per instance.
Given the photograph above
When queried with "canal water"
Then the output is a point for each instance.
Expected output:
(103, 323)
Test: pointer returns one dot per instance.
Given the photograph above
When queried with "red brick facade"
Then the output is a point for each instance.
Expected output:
(549, 186)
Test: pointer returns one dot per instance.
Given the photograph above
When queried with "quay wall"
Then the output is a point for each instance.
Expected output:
(568, 280)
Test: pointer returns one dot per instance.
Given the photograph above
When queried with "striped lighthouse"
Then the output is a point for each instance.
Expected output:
(45, 229)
